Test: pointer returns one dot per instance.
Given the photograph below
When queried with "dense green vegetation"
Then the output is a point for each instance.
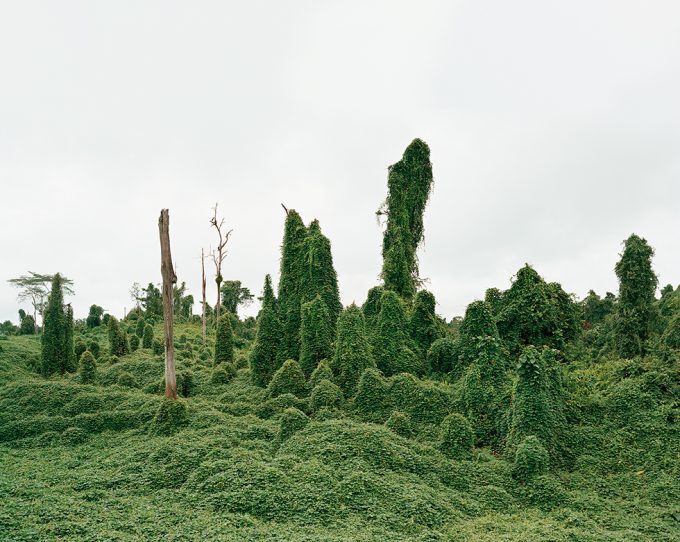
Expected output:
(535, 417)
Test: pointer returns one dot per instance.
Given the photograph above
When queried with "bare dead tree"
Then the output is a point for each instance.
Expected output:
(285, 208)
(203, 292)
(218, 255)
(169, 278)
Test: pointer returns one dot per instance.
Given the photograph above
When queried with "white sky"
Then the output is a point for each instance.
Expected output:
(554, 129)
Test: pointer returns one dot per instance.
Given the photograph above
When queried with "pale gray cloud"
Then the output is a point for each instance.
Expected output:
(554, 129)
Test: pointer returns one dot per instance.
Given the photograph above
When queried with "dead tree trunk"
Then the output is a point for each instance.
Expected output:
(218, 258)
(169, 278)
(203, 291)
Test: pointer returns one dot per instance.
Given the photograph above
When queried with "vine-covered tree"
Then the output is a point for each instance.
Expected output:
(371, 307)
(391, 344)
(409, 184)
(290, 285)
(71, 360)
(147, 337)
(94, 317)
(533, 312)
(224, 340)
(352, 349)
(596, 309)
(35, 288)
(234, 295)
(635, 309)
(152, 302)
(423, 325)
(26, 324)
(54, 354)
(263, 360)
(318, 276)
(118, 345)
(316, 334)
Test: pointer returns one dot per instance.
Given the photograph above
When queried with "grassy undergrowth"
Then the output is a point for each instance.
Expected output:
(87, 462)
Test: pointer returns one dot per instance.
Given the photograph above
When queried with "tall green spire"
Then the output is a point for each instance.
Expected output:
(263, 360)
(54, 355)
(289, 286)
(316, 335)
(409, 184)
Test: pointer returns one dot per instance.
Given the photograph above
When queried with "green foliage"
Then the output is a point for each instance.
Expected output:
(263, 360)
(93, 346)
(400, 423)
(671, 335)
(409, 183)
(318, 276)
(158, 348)
(531, 460)
(322, 372)
(288, 379)
(224, 340)
(73, 436)
(79, 347)
(372, 305)
(126, 380)
(326, 395)
(316, 334)
(71, 360)
(442, 355)
(371, 395)
(234, 295)
(223, 374)
(289, 298)
(147, 336)
(456, 436)
(291, 421)
(170, 418)
(423, 325)
(55, 356)
(537, 402)
(635, 310)
(152, 302)
(186, 385)
(118, 345)
(533, 312)
(352, 349)
(134, 343)
(88, 368)
(595, 309)
(27, 325)
(140, 328)
(94, 316)
(391, 344)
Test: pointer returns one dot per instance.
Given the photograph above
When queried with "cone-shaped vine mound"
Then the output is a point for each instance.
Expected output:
(87, 373)
(288, 379)
(316, 335)
(71, 361)
(409, 184)
(118, 345)
(147, 339)
(224, 340)
(263, 360)
(352, 349)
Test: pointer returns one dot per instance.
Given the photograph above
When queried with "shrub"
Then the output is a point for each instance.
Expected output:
(223, 374)
(400, 423)
(140, 328)
(291, 420)
(276, 405)
(531, 460)
(224, 340)
(456, 436)
(147, 337)
(288, 379)
(322, 372)
(88, 368)
(170, 417)
(134, 343)
(118, 345)
(158, 347)
(390, 338)
(671, 335)
(266, 350)
(441, 356)
(423, 323)
(326, 394)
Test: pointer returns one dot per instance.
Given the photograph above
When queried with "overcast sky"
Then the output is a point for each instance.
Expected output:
(554, 129)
